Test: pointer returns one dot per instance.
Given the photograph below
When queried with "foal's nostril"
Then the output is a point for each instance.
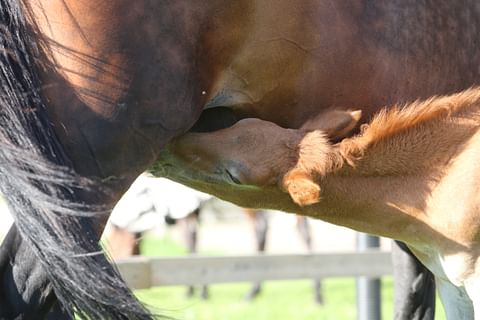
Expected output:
(232, 177)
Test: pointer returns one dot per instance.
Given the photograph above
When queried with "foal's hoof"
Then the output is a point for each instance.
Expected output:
(304, 191)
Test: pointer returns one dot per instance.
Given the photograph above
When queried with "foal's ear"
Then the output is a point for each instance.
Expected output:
(337, 124)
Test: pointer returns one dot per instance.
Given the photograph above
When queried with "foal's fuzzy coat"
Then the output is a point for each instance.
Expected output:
(411, 174)
(396, 141)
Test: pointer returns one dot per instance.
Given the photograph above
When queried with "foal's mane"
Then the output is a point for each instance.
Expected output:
(399, 119)
(318, 156)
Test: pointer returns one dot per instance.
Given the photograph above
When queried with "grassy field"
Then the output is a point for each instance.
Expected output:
(280, 300)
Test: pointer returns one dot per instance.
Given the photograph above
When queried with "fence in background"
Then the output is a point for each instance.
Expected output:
(145, 272)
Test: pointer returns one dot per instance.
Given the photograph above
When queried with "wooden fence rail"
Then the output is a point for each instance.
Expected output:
(144, 272)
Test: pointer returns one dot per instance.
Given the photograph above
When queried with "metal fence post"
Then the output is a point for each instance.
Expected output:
(368, 289)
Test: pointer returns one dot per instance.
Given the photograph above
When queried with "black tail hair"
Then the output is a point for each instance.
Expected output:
(45, 194)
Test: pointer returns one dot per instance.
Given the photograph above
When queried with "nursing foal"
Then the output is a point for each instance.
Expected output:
(412, 174)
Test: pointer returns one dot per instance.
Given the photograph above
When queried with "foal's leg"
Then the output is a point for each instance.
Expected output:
(25, 291)
(458, 305)
(414, 286)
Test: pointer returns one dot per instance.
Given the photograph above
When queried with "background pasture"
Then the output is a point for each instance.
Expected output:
(280, 300)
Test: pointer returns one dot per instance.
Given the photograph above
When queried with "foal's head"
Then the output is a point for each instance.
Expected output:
(259, 153)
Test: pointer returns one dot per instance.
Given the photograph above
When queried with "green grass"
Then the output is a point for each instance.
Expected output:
(155, 247)
(280, 300)
(165, 246)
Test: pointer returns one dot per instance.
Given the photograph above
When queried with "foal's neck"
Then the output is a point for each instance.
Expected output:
(383, 186)
(420, 151)
(418, 139)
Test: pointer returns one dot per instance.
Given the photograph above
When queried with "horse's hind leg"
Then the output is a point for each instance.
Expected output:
(25, 291)
(57, 313)
(414, 286)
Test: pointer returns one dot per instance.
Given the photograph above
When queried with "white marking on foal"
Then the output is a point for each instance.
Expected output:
(455, 301)
(451, 273)
(457, 267)
(459, 293)
(472, 287)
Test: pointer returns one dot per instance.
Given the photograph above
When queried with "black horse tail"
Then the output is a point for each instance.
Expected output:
(44, 193)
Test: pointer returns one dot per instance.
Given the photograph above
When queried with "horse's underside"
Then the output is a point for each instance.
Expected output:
(97, 91)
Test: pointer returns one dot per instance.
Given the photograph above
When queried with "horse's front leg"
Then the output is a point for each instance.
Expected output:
(25, 290)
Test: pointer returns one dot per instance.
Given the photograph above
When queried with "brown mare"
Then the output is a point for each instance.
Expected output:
(91, 92)
(411, 174)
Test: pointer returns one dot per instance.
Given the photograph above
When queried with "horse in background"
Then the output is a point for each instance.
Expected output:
(139, 211)
(153, 203)
(258, 219)
(90, 95)
(411, 174)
